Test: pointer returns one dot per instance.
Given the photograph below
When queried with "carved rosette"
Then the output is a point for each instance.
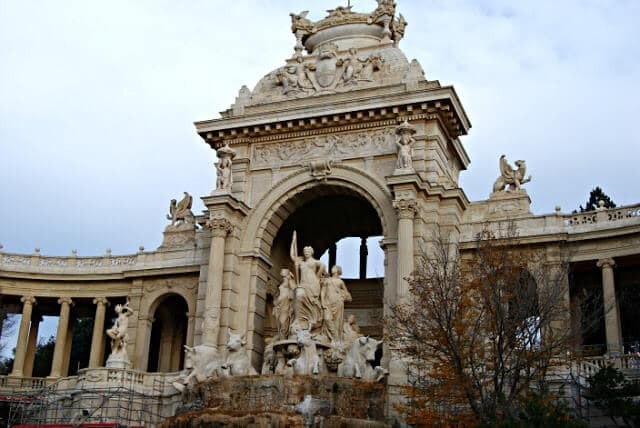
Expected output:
(406, 208)
(220, 227)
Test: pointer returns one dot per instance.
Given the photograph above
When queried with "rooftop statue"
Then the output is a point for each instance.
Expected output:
(511, 179)
(224, 178)
(180, 212)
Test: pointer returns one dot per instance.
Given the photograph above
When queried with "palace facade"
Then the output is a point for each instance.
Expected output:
(346, 139)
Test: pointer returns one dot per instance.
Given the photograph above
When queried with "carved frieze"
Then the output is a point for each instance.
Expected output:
(323, 147)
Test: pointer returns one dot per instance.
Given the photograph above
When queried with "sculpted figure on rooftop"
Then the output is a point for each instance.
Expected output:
(224, 180)
(511, 179)
(180, 212)
(404, 141)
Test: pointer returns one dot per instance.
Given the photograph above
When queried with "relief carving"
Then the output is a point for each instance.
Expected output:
(323, 146)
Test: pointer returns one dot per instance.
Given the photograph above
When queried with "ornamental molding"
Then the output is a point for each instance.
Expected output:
(329, 146)
(219, 227)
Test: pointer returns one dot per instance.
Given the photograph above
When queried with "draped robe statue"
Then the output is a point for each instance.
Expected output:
(309, 274)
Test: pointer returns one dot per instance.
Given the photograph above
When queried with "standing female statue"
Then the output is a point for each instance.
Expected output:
(334, 294)
(309, 274)
(283, 306)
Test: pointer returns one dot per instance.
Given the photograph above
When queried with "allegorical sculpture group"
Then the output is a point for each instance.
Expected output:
(313, 337)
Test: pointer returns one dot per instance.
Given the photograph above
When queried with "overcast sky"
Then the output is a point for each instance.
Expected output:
(98, 100)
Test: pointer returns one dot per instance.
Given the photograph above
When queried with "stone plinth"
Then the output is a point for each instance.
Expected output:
(178, 237)
(513, 204)
(249, 400)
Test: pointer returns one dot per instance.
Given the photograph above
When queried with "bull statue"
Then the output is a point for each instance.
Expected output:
(359, 359)
(200, 363)
(237, 362)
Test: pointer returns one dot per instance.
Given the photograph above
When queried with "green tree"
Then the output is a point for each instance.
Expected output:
(43, 357)
(595, 197)
(616, 396)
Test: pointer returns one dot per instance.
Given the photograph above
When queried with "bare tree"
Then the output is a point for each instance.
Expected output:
(481, 331)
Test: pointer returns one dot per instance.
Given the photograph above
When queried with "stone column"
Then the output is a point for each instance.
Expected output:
(31, 345)
(23, 333)
(612, 324)
(191, 317)
(66, 360)
(97, 339)
(61, 336)
(406, 209)
(220, 228)
(364, 252)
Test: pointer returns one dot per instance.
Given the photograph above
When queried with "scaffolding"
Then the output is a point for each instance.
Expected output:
(118, 403)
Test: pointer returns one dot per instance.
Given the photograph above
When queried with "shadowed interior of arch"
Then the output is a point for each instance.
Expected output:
(322, 216)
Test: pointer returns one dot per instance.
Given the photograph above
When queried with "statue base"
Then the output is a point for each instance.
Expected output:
(178, 237)
(118, 363)
(513, 204)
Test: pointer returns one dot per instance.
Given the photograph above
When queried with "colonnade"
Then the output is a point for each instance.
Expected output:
(28, 334)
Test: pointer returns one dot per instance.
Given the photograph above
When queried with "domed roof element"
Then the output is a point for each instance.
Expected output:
(343, 52)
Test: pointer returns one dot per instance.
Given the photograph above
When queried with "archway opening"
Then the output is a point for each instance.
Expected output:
(322, 216)
(168, 335)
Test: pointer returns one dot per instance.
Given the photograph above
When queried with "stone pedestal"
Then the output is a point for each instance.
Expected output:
(114, 362)
(513, 204)
(178, 237)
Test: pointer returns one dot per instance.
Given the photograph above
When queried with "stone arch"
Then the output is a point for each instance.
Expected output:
(296, 190)
(168, 333)
(145, 336)
(282, 197)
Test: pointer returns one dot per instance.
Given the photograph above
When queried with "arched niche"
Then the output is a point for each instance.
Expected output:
(168, 333)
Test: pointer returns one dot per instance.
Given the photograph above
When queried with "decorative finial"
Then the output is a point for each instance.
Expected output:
(108, 252)
(74, 253)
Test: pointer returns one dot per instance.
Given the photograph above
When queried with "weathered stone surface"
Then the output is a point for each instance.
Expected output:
(272, 399)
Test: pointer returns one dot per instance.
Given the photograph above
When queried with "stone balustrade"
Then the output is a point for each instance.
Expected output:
(108, 264)
(556, 223)
(628, 363)
(602, 216)
(101, 377)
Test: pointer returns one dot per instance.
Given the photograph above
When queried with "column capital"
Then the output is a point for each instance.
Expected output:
(63, 300)
(101, 301)
(220, 227)
(28, 300)
(606, 263)
(406, 208)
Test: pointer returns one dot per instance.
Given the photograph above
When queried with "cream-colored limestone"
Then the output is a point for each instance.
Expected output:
(23, 335)
(613, 328)
(62, 334)
(97, 337)
(31, 346)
